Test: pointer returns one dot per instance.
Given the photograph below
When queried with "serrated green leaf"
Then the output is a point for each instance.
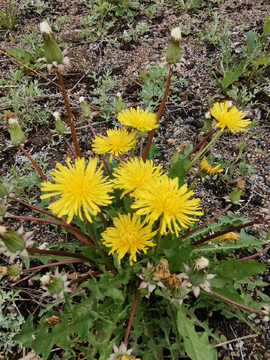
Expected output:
(26, 333)
(197, 347)
(177, 257)
(178, 170)
(236, 270)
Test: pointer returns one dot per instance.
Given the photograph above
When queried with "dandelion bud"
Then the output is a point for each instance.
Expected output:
(51, 48)
(12, 240)
(86, 111)
(56, 286)
(238, 191)
(60, 127)
(3, 191)
(118, 103)
(174, 51)
(207, 127)
(16, 134)
(13, 270)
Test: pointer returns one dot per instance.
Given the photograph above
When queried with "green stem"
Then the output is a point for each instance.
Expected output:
(70, 118)
(152, 133)
(215, 138)
(93, 237)
(192, 185)
(158, 236)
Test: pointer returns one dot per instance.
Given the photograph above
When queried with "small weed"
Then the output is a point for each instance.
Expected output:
(8, 15)
(215, 33)
(10, 321)
(189, 4)
(22, 99)
(135, 34)
(59, 22)
(103, 92)
(154, 84)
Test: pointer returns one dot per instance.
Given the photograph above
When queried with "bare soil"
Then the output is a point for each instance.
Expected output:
(181, 124)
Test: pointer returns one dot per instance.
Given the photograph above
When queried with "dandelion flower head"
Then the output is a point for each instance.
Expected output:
(79, 188)
(134, 174)
(163, 199)
(142, 120)
(128, 235)
(208, 169)
(117, 142)
(229, 118)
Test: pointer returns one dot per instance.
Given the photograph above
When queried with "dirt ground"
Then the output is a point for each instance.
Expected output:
(180, 124)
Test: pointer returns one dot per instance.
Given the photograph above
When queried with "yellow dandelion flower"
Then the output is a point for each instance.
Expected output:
(128, 235)
(231, 236)
(142, 120)
(117, 142)
(208, 169)
(134, 174)
(163, 199)
(231, 119)
(78, 187)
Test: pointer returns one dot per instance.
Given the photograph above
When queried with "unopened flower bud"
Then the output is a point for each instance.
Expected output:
(56, 286)
(86, 111)
(60, 127)
(235, 195)
(118, 103)
(207, 127)
(12, 240)
(13, 270)
(174, 51)
(51, 48)
(16, 134)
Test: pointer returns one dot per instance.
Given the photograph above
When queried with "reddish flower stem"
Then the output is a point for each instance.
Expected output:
(60, 253)
(201, 143)
(234, 228)
(70, 117)
(254, 255)
(152, 133)
(70, 147)
(33, 163)
(52, 264)
(237, 304)
(206, 223)
(50, 214)
(73, 230)
(132, 313)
